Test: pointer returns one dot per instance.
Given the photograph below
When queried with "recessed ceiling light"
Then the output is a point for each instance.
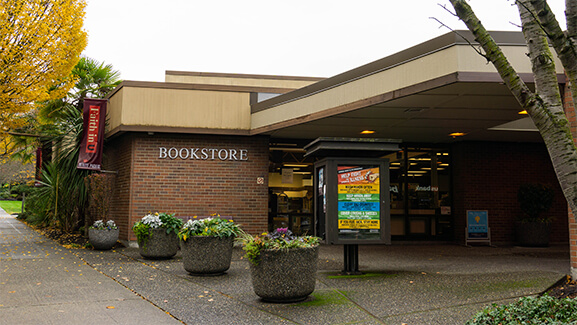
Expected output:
(457, 134)
(367, 131)
(295, 165)
(523, 112)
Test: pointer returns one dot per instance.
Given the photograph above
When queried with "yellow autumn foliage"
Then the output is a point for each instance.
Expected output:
(40, 43)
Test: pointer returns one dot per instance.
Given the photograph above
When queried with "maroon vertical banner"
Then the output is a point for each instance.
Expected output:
(38, 172)
(94, 115)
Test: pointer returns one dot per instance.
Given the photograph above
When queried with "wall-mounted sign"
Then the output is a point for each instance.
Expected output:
(203, 154)
(287, 176)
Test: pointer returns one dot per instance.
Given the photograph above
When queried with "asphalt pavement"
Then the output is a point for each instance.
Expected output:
(42, 282)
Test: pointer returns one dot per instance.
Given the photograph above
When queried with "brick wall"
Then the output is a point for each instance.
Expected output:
(118, 158)
(190, 187)
(487, 176)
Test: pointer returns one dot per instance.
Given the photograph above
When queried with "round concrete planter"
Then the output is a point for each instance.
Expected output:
(533, 234)
(102, 239)
(209, 256)
(160, 245)
(285, 275)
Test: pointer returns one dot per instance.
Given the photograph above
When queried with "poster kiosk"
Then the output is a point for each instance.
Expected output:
(352, 204)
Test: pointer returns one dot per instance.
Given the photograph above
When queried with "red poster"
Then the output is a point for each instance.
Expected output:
(90, 156)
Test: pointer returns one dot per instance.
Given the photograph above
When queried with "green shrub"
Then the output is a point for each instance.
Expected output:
(17, 191)
(209, 227)
(143, 228)
(534, 200)
(5, 194)
(529, 310)
(280, 239)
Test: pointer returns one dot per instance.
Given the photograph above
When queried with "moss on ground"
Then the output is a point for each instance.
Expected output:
(324, 298)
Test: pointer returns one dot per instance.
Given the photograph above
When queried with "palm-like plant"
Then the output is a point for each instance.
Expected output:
(60, 124)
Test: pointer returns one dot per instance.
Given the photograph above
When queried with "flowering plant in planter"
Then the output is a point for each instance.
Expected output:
(101, 225)
(209, 227)
(143, 228)
(280, 239)
(103, 235)
(283, 266)
(207, 245)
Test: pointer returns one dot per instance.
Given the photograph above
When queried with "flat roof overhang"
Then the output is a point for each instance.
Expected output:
(422, 94)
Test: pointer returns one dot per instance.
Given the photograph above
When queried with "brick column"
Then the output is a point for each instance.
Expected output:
(569, 107)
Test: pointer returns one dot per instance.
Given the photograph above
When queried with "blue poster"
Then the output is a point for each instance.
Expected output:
(477, 224)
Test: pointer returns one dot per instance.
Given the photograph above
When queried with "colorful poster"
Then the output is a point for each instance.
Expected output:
(358, 197)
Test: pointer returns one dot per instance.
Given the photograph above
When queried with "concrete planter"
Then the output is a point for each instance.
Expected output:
(102, 239)
(285, 275)
(203, 255)
(533, 234)
(160, 245)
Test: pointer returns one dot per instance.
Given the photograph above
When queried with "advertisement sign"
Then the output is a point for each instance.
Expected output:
(358, 197)
(94, 115)
(477, 224)
(477, 230)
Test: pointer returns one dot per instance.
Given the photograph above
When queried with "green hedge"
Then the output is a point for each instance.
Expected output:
(529, 310)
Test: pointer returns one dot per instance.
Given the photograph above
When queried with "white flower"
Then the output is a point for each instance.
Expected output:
(98, 224)
(153, 221)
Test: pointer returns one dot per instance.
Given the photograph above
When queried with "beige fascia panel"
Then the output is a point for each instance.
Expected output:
(114, 111)
(243, 80)
(431, 66)
(178, 108)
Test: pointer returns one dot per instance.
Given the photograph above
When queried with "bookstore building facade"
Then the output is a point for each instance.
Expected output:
(238, 145)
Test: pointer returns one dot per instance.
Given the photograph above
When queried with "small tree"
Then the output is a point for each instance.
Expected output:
(100, 188)
(535, 199)
(544, 105)
(40, 42)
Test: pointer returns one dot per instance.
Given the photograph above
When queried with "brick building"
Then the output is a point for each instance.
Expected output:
(203, 143)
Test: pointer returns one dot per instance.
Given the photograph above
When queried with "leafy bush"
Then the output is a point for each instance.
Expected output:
(142, 228)
(5, 194)
(529, 310)
(57, 201)
(209, 227)
(534, 200)
(281, 238)
(100, 190)
(17, 191)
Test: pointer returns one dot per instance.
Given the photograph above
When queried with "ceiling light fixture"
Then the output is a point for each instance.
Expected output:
(457, 134)
(523, 112)
(295, 165)
(367, 131)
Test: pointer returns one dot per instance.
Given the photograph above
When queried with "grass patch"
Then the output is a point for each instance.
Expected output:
(324, 299)
(362, 276)
(11, 206)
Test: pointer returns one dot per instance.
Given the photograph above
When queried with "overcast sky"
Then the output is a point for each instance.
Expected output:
(317, 38)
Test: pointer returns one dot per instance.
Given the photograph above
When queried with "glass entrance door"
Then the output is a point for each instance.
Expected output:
(420, 194)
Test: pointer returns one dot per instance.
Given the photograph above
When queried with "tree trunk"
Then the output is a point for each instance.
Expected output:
(544, 107)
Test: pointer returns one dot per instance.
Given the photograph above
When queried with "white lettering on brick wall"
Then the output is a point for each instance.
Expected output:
(203, 154)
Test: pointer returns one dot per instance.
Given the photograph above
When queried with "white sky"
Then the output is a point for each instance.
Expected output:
(317, 38)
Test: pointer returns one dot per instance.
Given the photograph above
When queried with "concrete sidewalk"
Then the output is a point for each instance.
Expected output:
(42, 282)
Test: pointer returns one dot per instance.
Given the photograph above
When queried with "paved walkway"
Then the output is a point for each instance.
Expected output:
(43, 283)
